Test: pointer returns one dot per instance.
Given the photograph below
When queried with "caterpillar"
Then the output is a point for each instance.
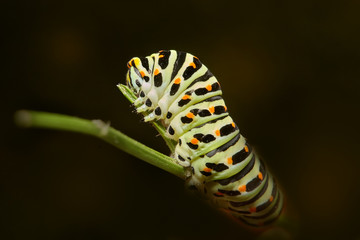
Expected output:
(177, 90)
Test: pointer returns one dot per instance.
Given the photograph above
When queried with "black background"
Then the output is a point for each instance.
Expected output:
(289, 71)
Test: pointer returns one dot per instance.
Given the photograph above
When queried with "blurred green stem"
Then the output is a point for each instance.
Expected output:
(99, 129)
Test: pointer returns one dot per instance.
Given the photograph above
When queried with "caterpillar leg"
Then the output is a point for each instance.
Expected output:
(138, 101)
(181, 161)
(150, 117)
(142, 108)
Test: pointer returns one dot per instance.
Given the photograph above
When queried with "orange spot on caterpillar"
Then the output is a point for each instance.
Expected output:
(194, 141)
(253, 209)
(271, 199)
(217, 132)
(233, 124)
(230, 161)
(242, 188)
(207, 169)
(193, 65)
(225, 108)
(246, 148)
(190, 115)
(212, 110)
(208, 87)
(260, 176)
(156, 72)
(161, 56)
(196, 58)
(177, 81)
(128, 65)
(142, 74)
(219, 193)
(185, 97)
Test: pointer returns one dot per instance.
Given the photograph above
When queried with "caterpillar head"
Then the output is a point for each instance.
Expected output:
(134, 78)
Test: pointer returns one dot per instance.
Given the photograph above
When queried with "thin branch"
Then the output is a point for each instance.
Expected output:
(99, 129)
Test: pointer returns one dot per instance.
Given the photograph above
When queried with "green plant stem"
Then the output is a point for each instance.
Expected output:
(99, 129)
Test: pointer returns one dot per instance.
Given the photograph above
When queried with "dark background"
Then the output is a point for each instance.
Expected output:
(290, 76)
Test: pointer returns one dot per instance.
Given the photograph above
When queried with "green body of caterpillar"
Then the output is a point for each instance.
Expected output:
(176, 89)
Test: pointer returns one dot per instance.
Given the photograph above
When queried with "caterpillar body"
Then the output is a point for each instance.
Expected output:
(176, 89)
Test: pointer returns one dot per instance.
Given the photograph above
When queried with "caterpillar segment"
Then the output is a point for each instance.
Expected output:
(178, 90)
